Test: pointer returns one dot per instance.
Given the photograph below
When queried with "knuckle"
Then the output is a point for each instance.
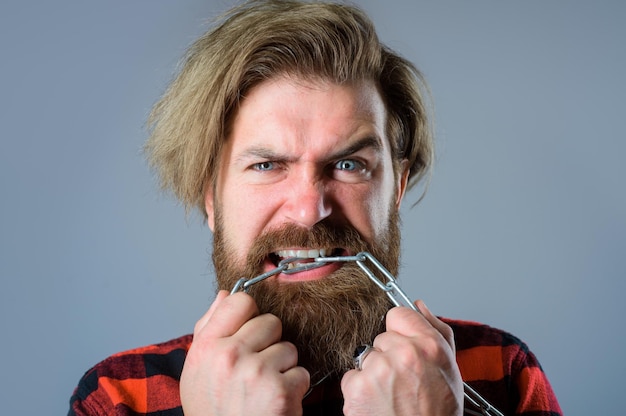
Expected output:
(289, 349)
(408, 357)
(355, 386)
(447, 333)
(394, 314)
(435, 348)
(272, 320)
(282, 401)
(244, 300)
(272, 324)
(228, 354)
(417, 354)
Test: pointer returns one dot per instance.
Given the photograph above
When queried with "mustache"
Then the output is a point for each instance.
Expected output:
(322, 235)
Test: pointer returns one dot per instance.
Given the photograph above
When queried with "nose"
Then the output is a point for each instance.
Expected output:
(308, 202)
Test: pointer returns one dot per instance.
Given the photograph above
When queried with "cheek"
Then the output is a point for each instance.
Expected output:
(367, 210)
(244, 215)
(379, 214)
(382, 202)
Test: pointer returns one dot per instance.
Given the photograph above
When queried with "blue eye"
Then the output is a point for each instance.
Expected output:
(263, 166)
(347, 164)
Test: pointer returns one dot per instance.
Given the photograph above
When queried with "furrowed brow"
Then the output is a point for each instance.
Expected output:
(364, 143)
(260, 152)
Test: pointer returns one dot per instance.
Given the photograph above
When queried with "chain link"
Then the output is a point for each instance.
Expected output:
(397, 296)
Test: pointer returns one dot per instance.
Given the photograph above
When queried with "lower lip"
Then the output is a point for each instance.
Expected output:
(308, 275)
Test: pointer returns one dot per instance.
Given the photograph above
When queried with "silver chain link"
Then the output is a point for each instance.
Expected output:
(397, 296)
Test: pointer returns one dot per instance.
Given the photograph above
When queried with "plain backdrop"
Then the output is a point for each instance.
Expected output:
(523, 227)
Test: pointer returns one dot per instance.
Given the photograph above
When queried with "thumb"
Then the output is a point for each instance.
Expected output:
(221, 295)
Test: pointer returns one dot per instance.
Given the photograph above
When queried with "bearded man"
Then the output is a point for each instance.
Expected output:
(297, 134)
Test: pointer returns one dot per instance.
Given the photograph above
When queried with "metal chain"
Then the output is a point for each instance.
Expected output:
(397, 296)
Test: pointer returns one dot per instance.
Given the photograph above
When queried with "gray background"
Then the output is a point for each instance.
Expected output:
(523, 227)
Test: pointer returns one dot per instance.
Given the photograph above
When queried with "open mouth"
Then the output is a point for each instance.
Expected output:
(304, 255)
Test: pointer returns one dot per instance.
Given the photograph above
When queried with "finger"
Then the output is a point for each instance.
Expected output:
(410, 323)
(443, 328)
(431, 341)
(372, 356)
(391, 344)
(298, 380)
(348, 377)
(260, 332)
(406, 321)
(229, 315)
(419, 326)
(221, 295)
(281, 356)
(357, 380)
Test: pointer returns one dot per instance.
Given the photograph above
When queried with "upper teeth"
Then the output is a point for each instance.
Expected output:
(311, 254)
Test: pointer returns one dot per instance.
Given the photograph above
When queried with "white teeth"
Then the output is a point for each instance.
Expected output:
(310, 254)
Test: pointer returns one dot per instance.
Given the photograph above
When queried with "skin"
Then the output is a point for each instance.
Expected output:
(300, 152)
(281, 163)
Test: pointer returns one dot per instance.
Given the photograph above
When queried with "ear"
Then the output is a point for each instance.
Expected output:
(209, 206)
(403, 180)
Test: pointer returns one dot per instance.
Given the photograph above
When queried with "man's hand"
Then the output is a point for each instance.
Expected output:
(237, 364)
(412, 370)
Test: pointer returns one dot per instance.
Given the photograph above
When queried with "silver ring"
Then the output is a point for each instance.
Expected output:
(359, 355)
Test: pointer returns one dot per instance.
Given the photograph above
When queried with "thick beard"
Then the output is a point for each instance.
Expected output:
(325, 319)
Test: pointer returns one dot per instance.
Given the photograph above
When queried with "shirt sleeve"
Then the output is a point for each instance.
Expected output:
(536, 396)
(90, 400)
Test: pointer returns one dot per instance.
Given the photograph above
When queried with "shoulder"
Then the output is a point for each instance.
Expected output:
(503, 369)
(469, 334)
(493, 352)
(165, 358)
(127, 379)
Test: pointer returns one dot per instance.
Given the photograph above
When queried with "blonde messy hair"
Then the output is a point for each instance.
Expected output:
(263, 39)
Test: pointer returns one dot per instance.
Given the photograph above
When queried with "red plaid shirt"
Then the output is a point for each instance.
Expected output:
(145, 381)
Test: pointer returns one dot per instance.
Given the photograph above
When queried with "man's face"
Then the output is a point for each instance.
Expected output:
(299, 153)
(307, 170)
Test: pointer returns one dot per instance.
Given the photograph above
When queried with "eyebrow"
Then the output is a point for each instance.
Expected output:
(269, 154)
(260, 152)
(364, 143)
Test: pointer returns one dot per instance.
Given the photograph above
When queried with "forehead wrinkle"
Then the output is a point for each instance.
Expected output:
(264, 152)
(350, 122)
